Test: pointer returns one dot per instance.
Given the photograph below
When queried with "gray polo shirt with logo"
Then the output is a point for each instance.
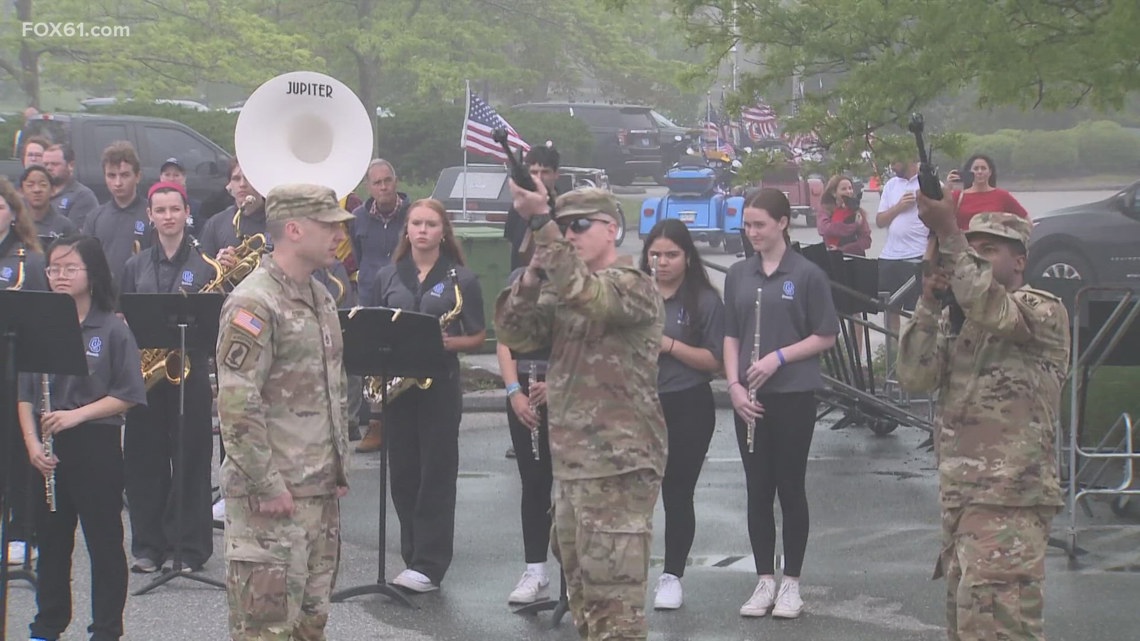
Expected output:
(112, 365)
(796, 303)
(708, 318)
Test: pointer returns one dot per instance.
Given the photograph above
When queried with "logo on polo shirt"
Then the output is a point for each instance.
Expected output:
(437, 291)
(6, 273)
(683, 318)
(95, 346)
(140, 228)
(63, 202)
(187, 278)
(789, 290)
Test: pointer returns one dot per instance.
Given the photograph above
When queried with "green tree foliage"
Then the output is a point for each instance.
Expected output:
(879, 61)
(147, 48)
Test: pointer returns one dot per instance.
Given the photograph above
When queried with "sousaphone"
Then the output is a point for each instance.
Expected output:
(304, 127)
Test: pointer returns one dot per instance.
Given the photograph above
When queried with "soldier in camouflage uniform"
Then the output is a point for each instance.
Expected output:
(998, 378)
(284, 419)
(602, 320)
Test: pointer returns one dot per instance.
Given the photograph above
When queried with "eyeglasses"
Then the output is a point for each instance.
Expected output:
(579, 225)
(70, 271)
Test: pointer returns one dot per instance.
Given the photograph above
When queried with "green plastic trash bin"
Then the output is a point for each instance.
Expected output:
(488, 254)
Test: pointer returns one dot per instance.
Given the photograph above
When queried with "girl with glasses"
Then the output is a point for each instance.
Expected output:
(85, 423)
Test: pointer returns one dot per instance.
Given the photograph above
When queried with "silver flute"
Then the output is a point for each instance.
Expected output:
(653, 266)
(750, 439)
(533, 375)
(48, 441)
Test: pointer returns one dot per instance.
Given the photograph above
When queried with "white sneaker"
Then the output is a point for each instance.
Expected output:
(761, 600)
(16, 551)
(531, 587)
(220, 510)
(668, 594)
(414, 581)
(788, 601)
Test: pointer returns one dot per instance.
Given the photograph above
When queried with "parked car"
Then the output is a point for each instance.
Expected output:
(155, 139)
(627, 139)
(696, 197)
(487, 198)
(1093, 244)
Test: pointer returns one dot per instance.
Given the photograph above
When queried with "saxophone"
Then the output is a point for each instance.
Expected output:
(375, 393)
(48, 442)
(159, 363)
(21, 269)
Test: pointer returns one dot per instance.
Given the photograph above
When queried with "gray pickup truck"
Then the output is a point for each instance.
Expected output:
(156, 139)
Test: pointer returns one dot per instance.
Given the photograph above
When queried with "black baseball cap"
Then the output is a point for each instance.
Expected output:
(169, 162)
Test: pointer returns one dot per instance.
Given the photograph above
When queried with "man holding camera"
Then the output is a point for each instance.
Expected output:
(999, 377)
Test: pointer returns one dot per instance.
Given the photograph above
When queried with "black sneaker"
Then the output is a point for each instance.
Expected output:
(511, 452)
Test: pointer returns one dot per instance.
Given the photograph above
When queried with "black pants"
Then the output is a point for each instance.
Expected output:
(690, 416)
(150, 450)
(778, 466)
(89, 490)
(537, 480)
(421, 429)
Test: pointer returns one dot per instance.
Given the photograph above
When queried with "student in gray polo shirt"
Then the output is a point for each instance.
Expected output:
(35, 186)
(121, 224)
(85, 423)
(688, 357)
(797, 323)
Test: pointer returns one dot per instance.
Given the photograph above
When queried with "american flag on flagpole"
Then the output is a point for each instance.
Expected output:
(759, 121)
(481, 121)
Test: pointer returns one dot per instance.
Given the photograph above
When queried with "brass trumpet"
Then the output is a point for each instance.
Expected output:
(21, 269)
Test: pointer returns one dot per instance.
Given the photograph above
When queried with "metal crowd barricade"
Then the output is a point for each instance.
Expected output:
(853, 387)
(1116, 342)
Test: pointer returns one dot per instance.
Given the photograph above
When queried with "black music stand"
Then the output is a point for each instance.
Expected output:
(175, 321)
(384, 342)
(40, 333)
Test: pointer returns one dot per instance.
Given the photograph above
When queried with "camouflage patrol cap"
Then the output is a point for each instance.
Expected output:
(586, 201)
(287, 202)
(1002, 225)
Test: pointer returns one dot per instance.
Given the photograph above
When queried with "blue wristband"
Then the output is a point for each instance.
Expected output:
(780, 355)
(512, 388)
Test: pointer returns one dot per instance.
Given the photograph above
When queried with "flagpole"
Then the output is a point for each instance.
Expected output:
(466, 118)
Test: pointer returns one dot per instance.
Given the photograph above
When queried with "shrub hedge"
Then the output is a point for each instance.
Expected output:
(1098, 147)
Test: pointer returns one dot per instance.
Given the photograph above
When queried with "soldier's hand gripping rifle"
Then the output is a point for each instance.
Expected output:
(931, 187)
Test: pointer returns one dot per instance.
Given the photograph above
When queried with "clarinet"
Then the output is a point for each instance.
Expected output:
(753, 391)
(48, 440)
(533, 374)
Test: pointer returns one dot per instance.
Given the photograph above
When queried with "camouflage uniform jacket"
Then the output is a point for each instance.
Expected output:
(999, 385)
(604, 331)
(281, 388)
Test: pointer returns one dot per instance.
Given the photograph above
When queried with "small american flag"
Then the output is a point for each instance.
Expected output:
(760, 121)
(246, 321)
(481, 121)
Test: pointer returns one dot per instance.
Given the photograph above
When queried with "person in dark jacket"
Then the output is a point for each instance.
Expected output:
(543, 163)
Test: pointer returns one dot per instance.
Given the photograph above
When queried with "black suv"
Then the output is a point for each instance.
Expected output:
(1093, 244)
(627, 139)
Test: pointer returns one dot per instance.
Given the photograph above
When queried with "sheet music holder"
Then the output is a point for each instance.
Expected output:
(384, 343)
(40, 333)
(175, 321)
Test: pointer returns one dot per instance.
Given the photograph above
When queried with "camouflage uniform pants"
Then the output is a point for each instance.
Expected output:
(994, 561)
(280, 571)
(602, 528)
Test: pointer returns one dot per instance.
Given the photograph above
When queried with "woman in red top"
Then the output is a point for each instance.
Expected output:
(981, 193)
(842, 222)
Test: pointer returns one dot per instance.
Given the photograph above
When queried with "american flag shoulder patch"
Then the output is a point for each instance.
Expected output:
(248, 322)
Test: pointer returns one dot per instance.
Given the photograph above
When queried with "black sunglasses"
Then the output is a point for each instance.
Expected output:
(579, 225)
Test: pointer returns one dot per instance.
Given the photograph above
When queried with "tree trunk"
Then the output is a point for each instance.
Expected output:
(29, 58)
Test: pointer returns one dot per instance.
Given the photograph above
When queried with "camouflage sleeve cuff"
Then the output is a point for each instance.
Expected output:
(270, 488)
(926, 314)
(953, 245)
